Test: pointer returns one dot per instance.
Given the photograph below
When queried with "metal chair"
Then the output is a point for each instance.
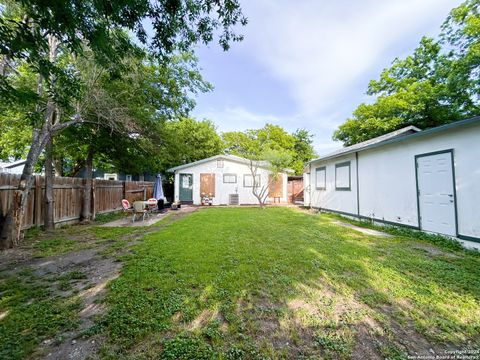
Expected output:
(139, 208)
(152, 204)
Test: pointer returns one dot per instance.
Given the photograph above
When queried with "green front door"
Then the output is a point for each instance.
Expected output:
(186, 187)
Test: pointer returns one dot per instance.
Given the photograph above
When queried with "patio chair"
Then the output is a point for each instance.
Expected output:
(127, 207)
(139, 208)
(152, 204)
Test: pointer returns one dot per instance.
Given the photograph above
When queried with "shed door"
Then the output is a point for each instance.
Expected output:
(207, 185)
(186, 187)
(436, 195)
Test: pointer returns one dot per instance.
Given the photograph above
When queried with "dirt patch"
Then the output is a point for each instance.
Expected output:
(202, 319)
(407, 338)
(365, 344)
(83, 275)
(434, 252)
(151, 220)
(299, 304)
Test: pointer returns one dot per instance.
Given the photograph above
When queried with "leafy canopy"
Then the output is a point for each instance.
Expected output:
(272, 143)
(437, 84)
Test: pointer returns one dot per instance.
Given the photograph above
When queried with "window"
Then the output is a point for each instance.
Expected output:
(321, 178)
(220, 163)
(128, 177)
(342, 176)
(248, 180)
(229, 178)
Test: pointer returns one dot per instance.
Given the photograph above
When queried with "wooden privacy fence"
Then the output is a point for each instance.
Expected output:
(106, 195)
(295, 190)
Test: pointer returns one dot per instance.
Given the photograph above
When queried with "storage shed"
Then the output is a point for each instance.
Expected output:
(227, 179)
(427, 180)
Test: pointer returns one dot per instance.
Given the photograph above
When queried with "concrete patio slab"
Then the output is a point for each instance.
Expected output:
(152, 219)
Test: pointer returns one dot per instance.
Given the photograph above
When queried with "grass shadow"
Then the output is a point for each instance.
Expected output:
(277, 283)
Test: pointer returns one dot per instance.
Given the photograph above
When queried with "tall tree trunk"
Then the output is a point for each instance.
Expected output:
(48, 220)
(58, 166)
(11, 224)
(52, 110)
(87, 194)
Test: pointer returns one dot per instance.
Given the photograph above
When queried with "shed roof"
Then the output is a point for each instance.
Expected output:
(404, 134)
(13, 164)
(234, 158)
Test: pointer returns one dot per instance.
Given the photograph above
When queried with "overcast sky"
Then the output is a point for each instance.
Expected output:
(307, 63)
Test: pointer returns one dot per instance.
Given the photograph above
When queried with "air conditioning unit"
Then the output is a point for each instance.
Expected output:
(233, 199)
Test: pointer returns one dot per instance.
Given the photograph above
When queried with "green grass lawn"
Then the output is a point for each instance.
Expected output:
(247, 283)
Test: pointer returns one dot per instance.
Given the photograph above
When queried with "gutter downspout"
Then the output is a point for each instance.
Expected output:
(358, 185)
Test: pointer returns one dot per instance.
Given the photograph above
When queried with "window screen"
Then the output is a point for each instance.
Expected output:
(248, 180)
(229, 178)
(342, 176)
(321, 178)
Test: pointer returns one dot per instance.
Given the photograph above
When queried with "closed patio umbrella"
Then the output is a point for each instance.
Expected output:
(158, 192)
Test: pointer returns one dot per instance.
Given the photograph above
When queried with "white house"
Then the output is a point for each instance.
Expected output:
(228, 179)
(14, 167)
(427, 180)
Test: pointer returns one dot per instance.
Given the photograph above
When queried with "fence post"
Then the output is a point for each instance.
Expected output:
(144, 193)
(38, 201)
(94, 198)
(124, 190)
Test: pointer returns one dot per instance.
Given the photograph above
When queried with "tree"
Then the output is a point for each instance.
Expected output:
(27, 27)
(186, 140)
(264, 148)
(437, 84)
(298, 146)
(303, 150)
(275, 161)
(144, 98)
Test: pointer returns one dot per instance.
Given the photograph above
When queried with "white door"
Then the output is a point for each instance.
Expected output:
(436, 198)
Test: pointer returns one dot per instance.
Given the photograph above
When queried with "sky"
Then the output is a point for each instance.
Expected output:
(307, 63)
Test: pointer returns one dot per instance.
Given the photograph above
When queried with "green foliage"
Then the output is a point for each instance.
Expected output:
(302, 150)
(187, 140)
(148, 95)
(177, 26)
(106, 71)
(142, 101)
(273, 142)
(17, 118)
(437, 84)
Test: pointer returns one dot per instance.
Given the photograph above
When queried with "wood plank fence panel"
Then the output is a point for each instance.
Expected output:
(138, 190)
(108, 195)
(68, 197)
(295, 190)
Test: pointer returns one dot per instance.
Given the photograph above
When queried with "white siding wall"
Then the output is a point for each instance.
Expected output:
(387, 180)
(330, 198)
(222, 191)
(394, 197)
